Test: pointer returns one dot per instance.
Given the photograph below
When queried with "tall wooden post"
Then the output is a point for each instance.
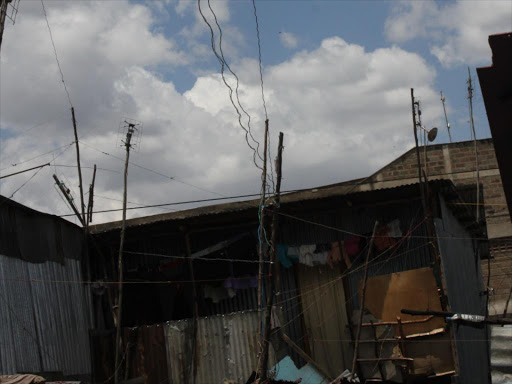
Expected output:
(78, 164)
(263, 361)
(129, 134)
(361, 307)
(261, 229)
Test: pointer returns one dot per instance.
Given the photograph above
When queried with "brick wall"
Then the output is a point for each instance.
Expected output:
(456, 162)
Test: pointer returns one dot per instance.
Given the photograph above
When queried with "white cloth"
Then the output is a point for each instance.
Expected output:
(306, 254)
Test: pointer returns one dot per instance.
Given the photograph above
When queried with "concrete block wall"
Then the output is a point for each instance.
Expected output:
(456, 161)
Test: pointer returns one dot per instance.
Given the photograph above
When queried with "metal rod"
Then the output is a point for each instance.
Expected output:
(446, 117)
(25, 170)
(470, 97)
(361, 308)
(415, 125)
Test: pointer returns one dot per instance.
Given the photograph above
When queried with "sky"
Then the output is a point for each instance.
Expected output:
(336, 81)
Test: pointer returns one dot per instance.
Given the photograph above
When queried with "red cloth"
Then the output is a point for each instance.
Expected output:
(352, 246)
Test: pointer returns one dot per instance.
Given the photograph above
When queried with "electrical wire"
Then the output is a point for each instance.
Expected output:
(196, 259)
(263, 92)
(172, 178)
(223, 64)
(56, 56)
(35, 157)
(31, 177)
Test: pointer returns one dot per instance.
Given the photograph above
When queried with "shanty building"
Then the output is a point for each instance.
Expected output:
(425, 260)
(46, 312)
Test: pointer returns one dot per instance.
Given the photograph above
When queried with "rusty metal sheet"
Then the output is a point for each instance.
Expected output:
(325, 317)
(227, 348)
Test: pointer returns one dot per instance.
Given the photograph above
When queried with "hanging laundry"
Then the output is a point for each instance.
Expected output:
(334, 256)
(394, 229)
(352, 246)
(240, 283)
(385, 235)
(216, 294)
(285, 257)
(306, 254)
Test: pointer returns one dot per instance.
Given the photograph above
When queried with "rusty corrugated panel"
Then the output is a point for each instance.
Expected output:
(45, 325)
(227, 348)
(501, 354)
(463, 275)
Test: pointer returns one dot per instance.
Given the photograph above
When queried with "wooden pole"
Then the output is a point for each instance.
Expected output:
(78, 163)
(193, 364)
(261, 230)
(3, 14)
(120, 258)
(25, 170)
(68, 198)
(263, 361)
(363, 293)
(91, 197)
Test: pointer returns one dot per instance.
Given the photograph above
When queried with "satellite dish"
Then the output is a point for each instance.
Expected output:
(432, 134)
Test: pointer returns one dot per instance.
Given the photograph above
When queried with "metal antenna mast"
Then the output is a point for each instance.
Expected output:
(443, 99)
(472, 123)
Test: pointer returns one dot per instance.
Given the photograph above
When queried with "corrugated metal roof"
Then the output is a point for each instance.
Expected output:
(501, 354)
(227, 348)
(342, 189)
(44, 326)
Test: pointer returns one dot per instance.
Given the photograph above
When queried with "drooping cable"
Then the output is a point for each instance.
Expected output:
(56, 56)
(223, 64)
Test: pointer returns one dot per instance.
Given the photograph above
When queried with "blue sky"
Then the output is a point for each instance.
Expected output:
(357, 22)
(337, 78)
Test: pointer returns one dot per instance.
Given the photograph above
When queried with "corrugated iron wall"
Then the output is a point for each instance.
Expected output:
(463, 275)
(227, 348)
(501, 354)
(44, 325)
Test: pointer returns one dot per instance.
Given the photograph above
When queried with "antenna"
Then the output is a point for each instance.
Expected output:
(472, 124)
(129, 132)
(443, 99)
(12, 10)
(133, 130)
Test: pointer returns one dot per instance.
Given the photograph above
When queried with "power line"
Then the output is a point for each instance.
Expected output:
(34, 175)
(35, 157)
(172, 178)
(223, 63)
(262, 92)
(56, 56)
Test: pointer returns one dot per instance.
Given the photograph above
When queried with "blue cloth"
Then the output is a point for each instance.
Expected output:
(284, 258)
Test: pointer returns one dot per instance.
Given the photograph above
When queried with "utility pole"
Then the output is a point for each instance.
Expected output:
(363, 294)
(261, 231)
(470, 98)
(78, 164)
(129, 134)
(263, 360)
(3, 14)
(443, 99)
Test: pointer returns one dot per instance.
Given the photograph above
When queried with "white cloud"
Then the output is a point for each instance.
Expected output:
(345, 111)
(289, 40)
(458, 31)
